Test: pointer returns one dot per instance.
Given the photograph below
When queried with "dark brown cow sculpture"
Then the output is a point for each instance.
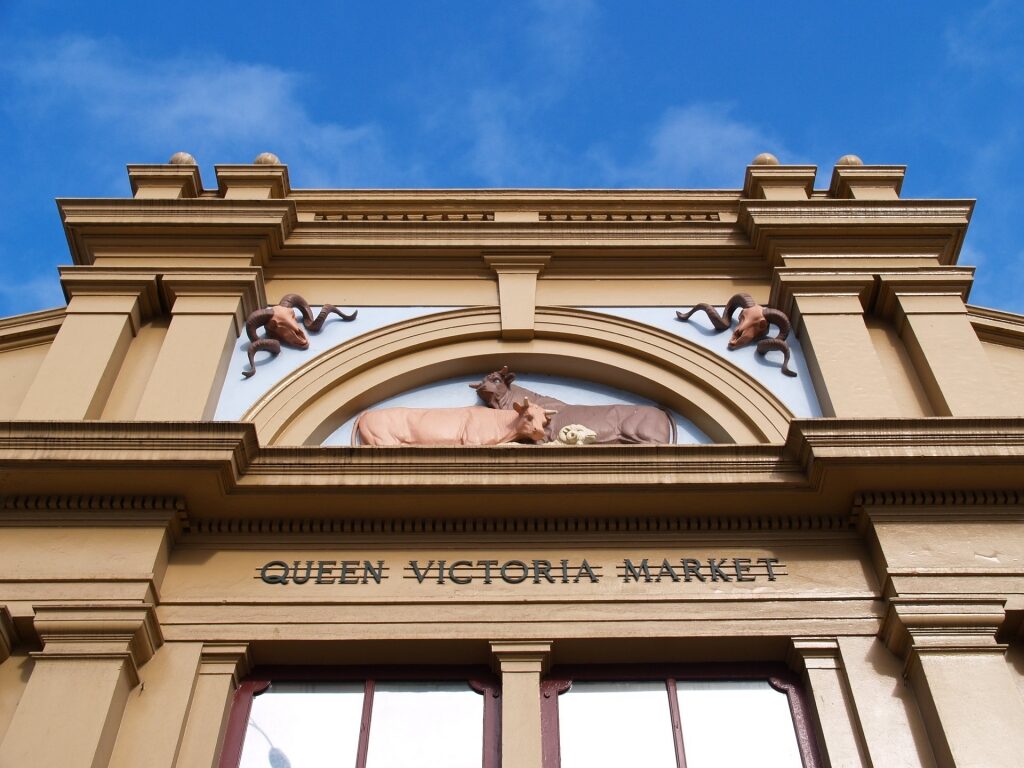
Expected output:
(620, 423)
(283, 327)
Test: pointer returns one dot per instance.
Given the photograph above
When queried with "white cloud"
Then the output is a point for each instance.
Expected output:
(988, 41)
(695, 145)
(211, 107)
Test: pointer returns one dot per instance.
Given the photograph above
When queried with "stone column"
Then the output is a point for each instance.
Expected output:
(827, 312)
(103, 315)
(819, 661)
(957, 669)
(517, 291)
(221, 666)
(521, 664)
(929, 314)
(208, 312)
(70, 712)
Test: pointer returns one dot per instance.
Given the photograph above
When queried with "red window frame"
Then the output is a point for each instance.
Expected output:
(479, 679)
(779, 677)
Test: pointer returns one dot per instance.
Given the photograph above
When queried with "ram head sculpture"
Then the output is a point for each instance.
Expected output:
(282, 326)
(754, 324)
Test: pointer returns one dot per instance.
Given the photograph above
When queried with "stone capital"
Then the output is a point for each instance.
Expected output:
(941, 291)
(521, 655)
(93, 291)
(128, 631)
(808, 653)
(165, 182)
(253, 182)
(867, 182)
(797, 293)
(235, 292)
(779, 182)
(232, 659)
(914, 626)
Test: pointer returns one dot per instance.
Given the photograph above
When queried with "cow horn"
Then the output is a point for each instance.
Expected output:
(475, 386)
(549, 413)
(257, 319)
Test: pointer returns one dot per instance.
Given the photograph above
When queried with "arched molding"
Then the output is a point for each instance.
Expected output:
(723, 401)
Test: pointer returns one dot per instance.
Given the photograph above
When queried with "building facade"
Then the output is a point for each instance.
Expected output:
(210, 556)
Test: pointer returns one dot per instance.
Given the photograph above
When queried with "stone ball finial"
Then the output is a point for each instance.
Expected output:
(765, 158)
(849, 160)
(182, 158)
(267, 158)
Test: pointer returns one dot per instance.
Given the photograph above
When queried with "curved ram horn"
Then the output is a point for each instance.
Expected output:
(739, 300)
(326, 310)
(715, 318)
(778, 317)
(257, 319)
(295, 300)
(273, 346)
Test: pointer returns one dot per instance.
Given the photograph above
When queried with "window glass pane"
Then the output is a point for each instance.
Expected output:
(311, 723)
(426, 724)
(736, 723)
(613, 723)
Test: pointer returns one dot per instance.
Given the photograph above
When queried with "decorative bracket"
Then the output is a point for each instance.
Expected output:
(517, 290)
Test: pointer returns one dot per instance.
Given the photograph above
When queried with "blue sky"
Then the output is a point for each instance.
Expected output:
(549, 93)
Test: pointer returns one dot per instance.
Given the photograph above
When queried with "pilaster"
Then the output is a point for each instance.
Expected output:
(517, 290)
(956, 668)
(105, 310)
(819, 660)
(81, 679)
(928, 311)
(521, 664)
(208, 311)
(827, 312)
(221, 666)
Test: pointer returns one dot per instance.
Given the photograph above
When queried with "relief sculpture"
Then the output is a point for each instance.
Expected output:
(754, 323)
(620, 423)
(469, 426)
(283, 327)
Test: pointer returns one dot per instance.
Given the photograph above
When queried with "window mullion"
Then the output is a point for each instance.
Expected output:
(677, 726)
(364, 725)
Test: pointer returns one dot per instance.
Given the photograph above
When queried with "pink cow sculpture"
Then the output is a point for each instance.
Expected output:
(471, 425)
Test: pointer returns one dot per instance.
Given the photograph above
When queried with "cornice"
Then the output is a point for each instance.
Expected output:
(219, 471)
(92, 511)
(88, 221)
(30, 329)
(534, 198)
(847, 223)
(997, 326)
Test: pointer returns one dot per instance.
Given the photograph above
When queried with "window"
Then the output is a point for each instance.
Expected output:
(685, 717)
(391, 720)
